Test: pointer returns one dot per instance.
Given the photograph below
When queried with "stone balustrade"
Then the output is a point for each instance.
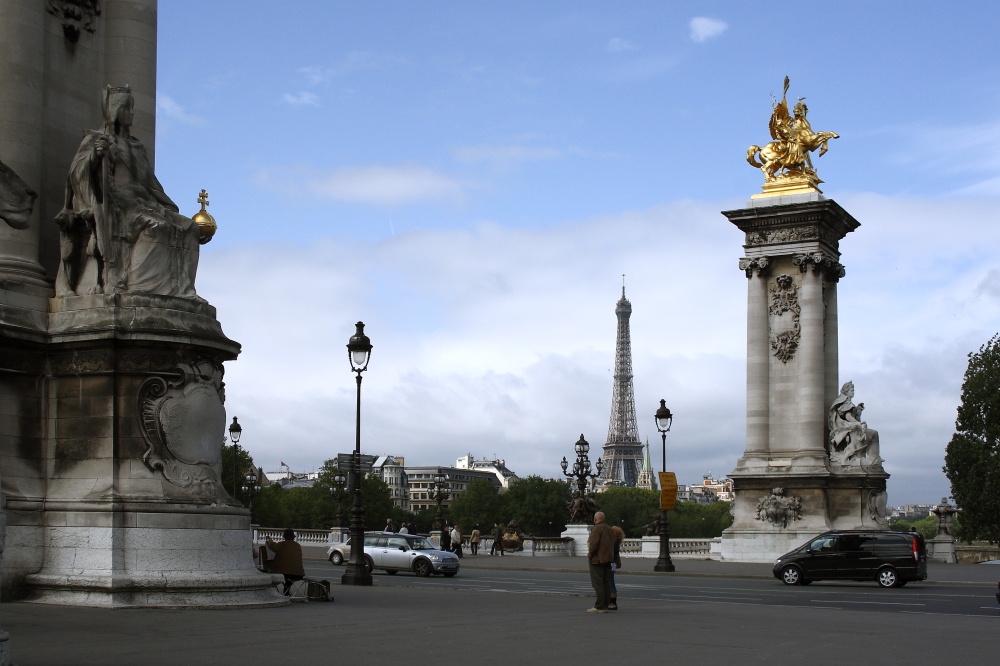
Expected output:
(304, 537)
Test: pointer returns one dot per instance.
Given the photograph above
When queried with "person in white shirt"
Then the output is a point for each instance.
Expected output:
(456, 540)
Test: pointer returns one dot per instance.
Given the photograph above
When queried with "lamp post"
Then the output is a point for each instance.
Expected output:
(338, 492)
(235, 431)
(664, 419)
(439, 495)
(583, 474)
(359, 350)
(251, 489)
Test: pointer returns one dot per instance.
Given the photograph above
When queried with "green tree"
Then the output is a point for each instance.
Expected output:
(926, 526)
(480, 505)
(690, 520)
(629, 508)
(538, 505)
(972, 458)
(244, 465)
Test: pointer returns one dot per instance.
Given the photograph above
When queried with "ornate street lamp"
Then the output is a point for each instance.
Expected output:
(440, 495)
(235, 431)
(664, 419)
(359, 351)
(339, 492)
(583, 506)
(251, 489)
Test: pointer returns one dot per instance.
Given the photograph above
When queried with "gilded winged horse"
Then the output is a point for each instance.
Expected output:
(793, 141)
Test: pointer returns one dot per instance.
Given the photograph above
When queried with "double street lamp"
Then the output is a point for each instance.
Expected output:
(251, 489)
(581, 468)
(359, 350)
(339, 492)
(664, 419)
(235, 431)
(440, 495)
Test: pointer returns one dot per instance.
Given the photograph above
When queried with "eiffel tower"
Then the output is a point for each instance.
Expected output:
(623, 450)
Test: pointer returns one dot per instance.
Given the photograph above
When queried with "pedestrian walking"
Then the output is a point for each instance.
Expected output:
(601, 553)
(445, 539)
(616, 565)
(498, 539)
(456, 541)
(389, 527)
(410, 528)
(403, 529)
(474, 540)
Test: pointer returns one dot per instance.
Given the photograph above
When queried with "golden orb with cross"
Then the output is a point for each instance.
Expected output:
(204, 220)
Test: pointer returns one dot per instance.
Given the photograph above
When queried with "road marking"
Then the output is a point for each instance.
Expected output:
(877, 603)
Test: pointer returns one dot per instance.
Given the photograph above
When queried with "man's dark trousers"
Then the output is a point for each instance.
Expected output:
(600, 578)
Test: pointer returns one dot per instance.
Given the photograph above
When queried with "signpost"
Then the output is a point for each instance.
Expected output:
(668, 491)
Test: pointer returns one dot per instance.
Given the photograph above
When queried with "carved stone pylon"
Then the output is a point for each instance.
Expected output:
(792, 263)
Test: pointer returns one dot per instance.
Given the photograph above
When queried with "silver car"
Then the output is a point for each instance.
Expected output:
(399, 552)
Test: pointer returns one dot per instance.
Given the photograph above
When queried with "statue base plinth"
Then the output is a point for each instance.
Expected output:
(580, 534)
(816, 503)
(784, 186)
(942, 549)
(135, 559)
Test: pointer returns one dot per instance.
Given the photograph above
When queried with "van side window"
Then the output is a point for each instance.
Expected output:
(849, 543)
(822, 544)
(891, 543)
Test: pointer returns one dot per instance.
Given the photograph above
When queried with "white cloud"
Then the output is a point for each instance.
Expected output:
(617, 45)
(386, 185)
(504, 153)
(167, 107)
(355, 61)
(301, 98)
(704, 28)
(500, 340)
(971, 150)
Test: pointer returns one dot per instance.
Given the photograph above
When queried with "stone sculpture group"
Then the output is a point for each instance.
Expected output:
(120, 231)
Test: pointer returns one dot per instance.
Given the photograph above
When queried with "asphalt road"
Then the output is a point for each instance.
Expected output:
(936, 599)
(505, 617)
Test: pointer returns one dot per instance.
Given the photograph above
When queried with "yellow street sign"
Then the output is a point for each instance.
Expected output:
(668, 490)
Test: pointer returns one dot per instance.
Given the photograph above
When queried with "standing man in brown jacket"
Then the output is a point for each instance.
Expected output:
(601, 552)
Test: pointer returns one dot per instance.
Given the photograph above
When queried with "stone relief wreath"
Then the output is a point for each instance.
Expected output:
(778, 509)
(183, 422)
(785, 298)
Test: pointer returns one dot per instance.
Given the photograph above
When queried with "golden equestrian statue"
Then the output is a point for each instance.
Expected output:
(786, 164)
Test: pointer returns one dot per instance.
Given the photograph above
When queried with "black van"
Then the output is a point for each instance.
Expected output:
(892, 559)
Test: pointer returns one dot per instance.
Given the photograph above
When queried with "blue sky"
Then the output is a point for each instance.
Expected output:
(473, 180)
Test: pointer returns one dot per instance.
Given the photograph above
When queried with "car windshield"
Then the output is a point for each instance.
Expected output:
(421, 544)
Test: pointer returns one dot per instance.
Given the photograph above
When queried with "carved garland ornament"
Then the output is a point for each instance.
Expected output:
(785, 298)
(778, 509)
(75, 14)
(786, 235)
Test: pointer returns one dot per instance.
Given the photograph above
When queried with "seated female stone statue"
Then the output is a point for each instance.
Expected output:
(120, 231)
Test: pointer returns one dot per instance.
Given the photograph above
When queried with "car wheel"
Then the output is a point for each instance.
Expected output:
(392, 572)
(369, 564)
(791, 576)
(422, 568)
(888, 577)
(449, 574)
(336, 559)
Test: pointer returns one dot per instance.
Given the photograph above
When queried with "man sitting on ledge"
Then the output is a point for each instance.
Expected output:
(287, 559)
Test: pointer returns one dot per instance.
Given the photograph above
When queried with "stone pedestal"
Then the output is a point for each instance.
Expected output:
(121, 503)
(786, 489)
(942, 549)
(579, 534)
